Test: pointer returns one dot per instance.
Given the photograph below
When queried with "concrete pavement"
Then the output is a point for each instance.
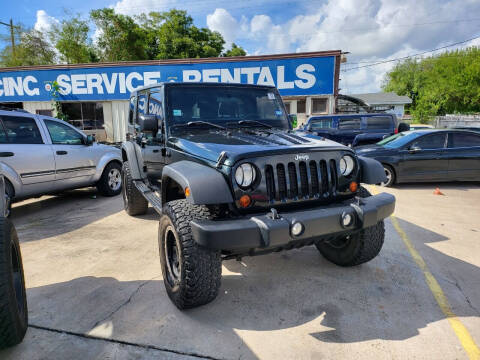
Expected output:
(95, 289)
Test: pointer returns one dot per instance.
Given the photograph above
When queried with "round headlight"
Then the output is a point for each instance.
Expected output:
(245, 175)
(347, 164)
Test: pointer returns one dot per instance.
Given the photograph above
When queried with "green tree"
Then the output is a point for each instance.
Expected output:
(172, 35)
(446, 83)
(32, 49)
(120, 37)
(72, 41)
(235, 51)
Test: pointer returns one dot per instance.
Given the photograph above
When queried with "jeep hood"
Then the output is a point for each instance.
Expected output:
(247, 143)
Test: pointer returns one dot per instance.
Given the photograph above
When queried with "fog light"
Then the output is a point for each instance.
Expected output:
(245, 201)
(353, 186)
(297, 229)
(347, 219)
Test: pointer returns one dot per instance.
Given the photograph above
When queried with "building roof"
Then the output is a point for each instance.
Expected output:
(336, 53)
(383, 98)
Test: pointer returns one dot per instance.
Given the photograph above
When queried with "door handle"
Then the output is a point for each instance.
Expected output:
(6, 154)
(62, 152)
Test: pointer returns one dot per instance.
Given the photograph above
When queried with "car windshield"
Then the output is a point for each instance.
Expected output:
(398, 140)
(226, 106)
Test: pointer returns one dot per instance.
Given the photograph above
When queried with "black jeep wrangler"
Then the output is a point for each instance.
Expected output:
(229, 178)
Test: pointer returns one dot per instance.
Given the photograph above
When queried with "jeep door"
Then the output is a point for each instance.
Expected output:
(424, 159)
(24, 149)
(153, 158)
(75, 163)
(463, 154)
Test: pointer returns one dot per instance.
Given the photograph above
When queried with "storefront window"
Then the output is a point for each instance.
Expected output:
(84, 115)
(319, 106)
(301, 107)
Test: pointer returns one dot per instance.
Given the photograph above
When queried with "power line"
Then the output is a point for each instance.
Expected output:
(413, 55)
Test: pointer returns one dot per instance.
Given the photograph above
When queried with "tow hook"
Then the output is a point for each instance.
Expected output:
(274, 214)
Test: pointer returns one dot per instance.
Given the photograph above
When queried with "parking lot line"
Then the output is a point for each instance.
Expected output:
(460, 330)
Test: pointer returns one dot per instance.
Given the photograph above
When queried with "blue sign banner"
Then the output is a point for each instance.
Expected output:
(295, 76)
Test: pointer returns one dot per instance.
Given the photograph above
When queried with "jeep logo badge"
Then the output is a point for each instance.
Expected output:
(303, 157)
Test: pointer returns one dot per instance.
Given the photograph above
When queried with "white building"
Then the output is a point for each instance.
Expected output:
(385, 101)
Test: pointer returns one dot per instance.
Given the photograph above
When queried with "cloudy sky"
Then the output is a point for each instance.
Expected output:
(370, 30)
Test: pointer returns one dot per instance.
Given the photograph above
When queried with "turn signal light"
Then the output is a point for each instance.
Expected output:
(245, 201)
(353, 186)
(187, 191)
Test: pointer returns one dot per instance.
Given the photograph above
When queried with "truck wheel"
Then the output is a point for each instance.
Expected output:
(191, 273)
(133, 200)
(9, 193)
(13, 299)
(110, 184)
(355, 249)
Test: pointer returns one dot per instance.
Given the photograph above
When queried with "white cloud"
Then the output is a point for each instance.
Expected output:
(371, 30)
(221, 20)
(44, 21)
(134, 7)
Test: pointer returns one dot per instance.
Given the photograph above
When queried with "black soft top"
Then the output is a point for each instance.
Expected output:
(202, 84)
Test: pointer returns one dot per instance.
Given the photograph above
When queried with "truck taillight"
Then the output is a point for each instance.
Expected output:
(396, 131)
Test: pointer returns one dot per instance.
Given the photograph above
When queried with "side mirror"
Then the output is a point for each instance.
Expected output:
(293, 120)
(403, 127)
(148, 123)
(414, 149)
(89, 140)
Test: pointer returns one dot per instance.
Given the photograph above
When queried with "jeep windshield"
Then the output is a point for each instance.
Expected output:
(228, 106)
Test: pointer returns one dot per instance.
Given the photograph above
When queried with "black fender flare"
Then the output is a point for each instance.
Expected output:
(207, 185)
(372, 171)
(132, 153)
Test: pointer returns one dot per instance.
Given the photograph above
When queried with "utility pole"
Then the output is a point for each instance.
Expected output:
(12, 35)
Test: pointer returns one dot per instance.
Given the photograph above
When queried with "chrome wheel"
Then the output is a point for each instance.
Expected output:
(114, 179)
(389, 175)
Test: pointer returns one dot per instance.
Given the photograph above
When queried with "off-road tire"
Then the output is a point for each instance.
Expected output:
(103, 185)
(359, 248)
(133, 200)
(200, 269)
(13, 310)
(9, 199)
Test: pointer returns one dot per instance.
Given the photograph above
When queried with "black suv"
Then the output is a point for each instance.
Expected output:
(229, 178)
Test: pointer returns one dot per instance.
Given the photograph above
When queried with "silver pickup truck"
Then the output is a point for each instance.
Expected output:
(42, 155)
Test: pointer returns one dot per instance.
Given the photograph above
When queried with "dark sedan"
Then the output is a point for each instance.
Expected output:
(428, 156)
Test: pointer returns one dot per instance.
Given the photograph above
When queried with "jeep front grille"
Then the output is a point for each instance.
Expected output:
(313, 179)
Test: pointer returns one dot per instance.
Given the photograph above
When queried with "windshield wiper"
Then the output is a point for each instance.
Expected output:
(241, 122)
(200, 122)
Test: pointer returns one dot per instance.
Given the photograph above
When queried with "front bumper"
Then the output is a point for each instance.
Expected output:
(263, 231)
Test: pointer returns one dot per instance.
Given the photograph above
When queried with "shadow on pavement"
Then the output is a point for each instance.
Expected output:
(384, 299)
(52, 216)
